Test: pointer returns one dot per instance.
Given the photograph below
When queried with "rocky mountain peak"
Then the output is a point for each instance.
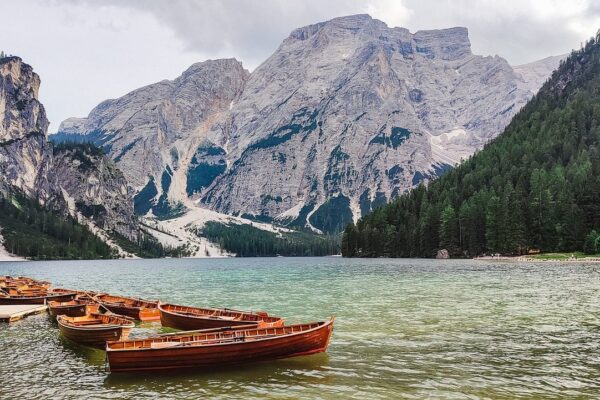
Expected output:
(345, 115)
(211, 66)
(447, 44)
(351, 24)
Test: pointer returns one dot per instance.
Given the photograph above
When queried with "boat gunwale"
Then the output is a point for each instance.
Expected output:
(99, 299)
(47, 297)
(321, 325)
(261, 317)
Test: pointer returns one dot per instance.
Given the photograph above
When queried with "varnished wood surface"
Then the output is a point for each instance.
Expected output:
(223, 347)
(192, 318)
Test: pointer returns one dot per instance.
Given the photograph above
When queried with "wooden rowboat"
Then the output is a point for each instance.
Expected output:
(191, 318)
(142, 310)
(40, 298)
(218, 347)
(95, 329)
(25, 290)
(73, 308)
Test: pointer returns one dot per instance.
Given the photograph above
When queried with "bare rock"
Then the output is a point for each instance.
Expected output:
(442, 254)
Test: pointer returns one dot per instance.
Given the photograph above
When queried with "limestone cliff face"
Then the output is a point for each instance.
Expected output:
(534, 74)
(74, 182)
(345, 115)
(24, 153)
(348, 113)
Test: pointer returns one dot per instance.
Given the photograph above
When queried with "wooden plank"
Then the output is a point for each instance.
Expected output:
(12, 313)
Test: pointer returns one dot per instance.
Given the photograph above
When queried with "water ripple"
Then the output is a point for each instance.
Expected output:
(407, 329)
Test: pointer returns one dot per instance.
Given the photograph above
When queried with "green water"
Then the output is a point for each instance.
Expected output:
(405, 329)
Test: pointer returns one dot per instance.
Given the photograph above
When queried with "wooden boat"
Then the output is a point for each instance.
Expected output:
(95, 329)
(28, 289)
(39, 298)
(190, 318)
(9, 281)
(73, 308)
(218, 347)
(142, 310)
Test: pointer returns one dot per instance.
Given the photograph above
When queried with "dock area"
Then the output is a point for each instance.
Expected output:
(12, 313)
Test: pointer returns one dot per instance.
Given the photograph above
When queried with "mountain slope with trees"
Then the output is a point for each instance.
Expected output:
(536, 186)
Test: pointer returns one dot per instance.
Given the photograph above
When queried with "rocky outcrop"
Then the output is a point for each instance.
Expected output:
(94, 189)
(344, 116)
(74, 181)
(442, 254)
(25, 155)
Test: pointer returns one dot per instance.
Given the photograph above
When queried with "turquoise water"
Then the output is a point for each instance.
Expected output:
(405, 329)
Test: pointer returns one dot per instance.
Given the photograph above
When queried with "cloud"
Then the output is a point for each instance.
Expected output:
(250, 30)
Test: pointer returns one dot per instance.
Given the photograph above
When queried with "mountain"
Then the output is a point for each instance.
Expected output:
(48, 195)
(536, 186)
(344, 116)
(154, 132)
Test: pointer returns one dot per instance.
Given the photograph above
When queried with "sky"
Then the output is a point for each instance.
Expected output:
(87, 51)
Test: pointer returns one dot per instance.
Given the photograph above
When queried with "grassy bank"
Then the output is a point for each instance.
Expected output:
(564, 256)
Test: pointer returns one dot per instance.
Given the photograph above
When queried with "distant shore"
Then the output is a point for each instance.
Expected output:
(547, 257)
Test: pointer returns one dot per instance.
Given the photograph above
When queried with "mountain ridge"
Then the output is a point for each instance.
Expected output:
(345, 115)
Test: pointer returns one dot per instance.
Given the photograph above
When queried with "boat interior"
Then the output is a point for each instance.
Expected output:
(211, 336)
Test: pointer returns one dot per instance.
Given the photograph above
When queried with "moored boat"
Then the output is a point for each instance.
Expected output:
(25, 290)
(191, 318)
(38, 298)
(218, 347)
(73, 308)
(95, 329)
(142, 310)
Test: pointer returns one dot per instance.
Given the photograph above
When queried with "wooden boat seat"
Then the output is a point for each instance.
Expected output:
(91, 322)
(163, 345)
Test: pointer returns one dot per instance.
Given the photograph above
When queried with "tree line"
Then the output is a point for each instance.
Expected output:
(535, 187)
(33, 232)
(249, 241)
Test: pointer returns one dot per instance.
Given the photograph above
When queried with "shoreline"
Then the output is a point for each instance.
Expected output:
(5, 255)
(540, 260)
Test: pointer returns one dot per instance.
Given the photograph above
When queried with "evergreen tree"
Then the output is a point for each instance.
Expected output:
(537, 185)
(449, 231)
(590, 245)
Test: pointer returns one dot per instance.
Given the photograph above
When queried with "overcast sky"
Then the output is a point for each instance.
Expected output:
(89, 50)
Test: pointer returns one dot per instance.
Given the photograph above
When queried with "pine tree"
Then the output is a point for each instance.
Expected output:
(449, 235)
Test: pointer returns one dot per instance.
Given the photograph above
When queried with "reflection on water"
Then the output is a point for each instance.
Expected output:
(404, 329)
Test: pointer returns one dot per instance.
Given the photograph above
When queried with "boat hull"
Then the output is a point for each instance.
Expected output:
(12, 300)
(141, 310)
(97, 338)
(94, 336)
(234, 353)
(72, 310)
(141, 314)
(187, 322)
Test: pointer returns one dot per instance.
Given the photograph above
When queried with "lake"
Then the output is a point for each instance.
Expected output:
(405, 329)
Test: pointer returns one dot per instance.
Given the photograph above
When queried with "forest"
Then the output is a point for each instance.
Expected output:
(248, 241)
(536, 187)
(33, 232)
